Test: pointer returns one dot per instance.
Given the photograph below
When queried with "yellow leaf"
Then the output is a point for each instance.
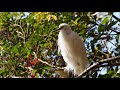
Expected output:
(41, 15)
(96, 48)
(51, 17)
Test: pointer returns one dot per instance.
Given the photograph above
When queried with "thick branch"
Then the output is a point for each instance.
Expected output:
(97, 64)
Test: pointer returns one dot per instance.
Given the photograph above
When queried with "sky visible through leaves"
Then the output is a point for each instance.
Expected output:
(111, 46)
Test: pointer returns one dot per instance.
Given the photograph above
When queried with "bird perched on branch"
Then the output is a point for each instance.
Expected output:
(72, 49)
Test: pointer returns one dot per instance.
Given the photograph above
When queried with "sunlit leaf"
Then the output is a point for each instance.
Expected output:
(105, 21)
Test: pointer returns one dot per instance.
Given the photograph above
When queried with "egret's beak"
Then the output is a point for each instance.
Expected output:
(60, 28)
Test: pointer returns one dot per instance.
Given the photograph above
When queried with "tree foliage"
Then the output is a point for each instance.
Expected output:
(28, 37)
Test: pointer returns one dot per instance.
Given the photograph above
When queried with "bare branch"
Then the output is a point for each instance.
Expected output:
(115, 64)
(116, 18)
(98, 64)
(56, 68)
(94, 66)
(115, 31)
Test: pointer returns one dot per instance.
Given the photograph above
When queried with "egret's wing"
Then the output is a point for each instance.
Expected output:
(78, 45)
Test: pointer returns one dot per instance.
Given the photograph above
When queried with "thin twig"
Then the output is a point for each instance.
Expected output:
(115, 64)
(116, 18)
(56, 68)
(97, 64)
(115, 31)
(112, 43)
(102, 53)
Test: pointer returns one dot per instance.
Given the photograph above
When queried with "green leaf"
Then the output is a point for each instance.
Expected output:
(47, 68)
(10, 29)
(101, 28)
(2, 71)
(105, 21)
(76, 21)
(28, 44)
(14, 49)
(34, 71)
(43, 72)
(39, 29)
(111, 73)
(37, 75)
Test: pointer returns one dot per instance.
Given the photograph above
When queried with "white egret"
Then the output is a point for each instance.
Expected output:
(72, 49)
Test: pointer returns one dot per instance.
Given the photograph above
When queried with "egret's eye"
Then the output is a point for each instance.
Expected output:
(60, 28)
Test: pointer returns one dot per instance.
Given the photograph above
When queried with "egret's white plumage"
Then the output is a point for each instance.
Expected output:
(72, 49)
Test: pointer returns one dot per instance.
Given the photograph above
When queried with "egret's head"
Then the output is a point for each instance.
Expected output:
(64, 26)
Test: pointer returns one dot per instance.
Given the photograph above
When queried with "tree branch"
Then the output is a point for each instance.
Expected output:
(116, 18)
(94, 66)
(115, 64)
(97, 64)
(56, 68)
(115, 31)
